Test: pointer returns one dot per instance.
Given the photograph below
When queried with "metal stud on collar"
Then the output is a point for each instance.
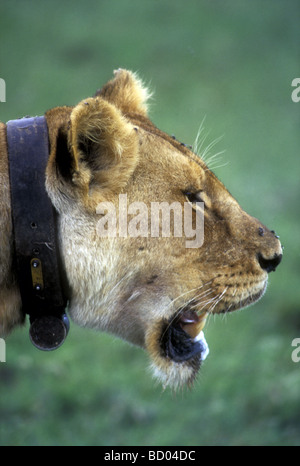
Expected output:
(48, 333)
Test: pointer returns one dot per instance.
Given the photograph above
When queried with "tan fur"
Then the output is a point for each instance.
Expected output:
(132, 287)
(10, 300)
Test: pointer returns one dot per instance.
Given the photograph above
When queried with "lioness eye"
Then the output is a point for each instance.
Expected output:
(194, 197)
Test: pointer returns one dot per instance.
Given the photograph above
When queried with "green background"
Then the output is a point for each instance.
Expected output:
(231, 62)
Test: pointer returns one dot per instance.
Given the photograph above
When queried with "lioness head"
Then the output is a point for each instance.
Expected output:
(151, 289)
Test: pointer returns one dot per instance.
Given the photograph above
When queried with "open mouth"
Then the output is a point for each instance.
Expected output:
(177, 344)
(183, 338)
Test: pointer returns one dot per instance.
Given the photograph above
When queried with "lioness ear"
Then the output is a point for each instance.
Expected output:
(127, 92)
(104, 149)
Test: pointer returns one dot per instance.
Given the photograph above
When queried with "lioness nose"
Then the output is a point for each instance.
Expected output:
(269, 264)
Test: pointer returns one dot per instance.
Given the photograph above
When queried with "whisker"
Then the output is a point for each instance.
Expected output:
(120, 281)
(212, 157)
(200, 138)
(201, 295)
(199, 302)
(203, 304)
(218, 300)
(187, 292)
(216, 167)
(205, 153)
(187, 304)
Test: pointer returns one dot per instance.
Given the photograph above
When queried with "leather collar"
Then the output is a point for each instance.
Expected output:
(38, 266)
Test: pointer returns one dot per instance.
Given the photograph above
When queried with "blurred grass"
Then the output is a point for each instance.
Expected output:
(229, 61)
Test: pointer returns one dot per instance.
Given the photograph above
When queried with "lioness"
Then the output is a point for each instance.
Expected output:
(154, 292)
